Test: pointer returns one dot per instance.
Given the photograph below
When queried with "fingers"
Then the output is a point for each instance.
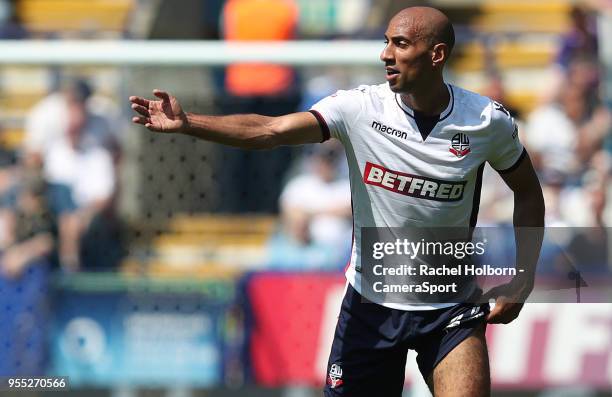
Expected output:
(141, 109)
(163, 95)
(140, 101)
(142, 106)
(141, 120)
(145, 116)
(495, 316)
(147, 123)
(504, 312)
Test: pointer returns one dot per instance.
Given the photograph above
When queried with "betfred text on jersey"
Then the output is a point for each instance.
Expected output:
(413, 185)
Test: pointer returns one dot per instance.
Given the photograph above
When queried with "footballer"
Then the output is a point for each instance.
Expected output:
(416, 147)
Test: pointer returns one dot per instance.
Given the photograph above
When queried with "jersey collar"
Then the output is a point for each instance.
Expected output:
(443, 115)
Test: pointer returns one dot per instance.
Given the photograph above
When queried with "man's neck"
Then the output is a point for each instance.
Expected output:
(429, 102)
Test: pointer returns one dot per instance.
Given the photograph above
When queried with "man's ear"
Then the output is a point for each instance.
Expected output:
(439, 54)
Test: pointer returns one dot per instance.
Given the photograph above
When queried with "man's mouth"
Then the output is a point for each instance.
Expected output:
(391, 71)
(391, 75)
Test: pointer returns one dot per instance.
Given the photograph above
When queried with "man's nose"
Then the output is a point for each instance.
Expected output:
(386, 55)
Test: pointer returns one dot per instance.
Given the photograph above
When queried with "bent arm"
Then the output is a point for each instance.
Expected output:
(528, 216)
(252, 131)
(528, 232)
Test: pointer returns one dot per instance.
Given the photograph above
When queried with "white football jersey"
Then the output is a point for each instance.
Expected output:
(399, 179)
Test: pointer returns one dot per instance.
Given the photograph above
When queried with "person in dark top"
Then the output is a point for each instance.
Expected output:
(30, 229)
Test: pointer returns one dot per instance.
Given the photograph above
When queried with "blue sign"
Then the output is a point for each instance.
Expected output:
(139, 336)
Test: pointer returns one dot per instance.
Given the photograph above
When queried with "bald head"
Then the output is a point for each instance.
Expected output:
(428, 24)
(418, 43)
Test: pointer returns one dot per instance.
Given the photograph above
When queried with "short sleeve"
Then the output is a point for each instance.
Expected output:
(336, 112)
(506, 151)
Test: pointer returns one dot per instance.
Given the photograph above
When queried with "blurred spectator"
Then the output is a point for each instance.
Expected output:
(593, 132)
(322, 197)
(81, 181)
(563, 136)
(558, 121)
(316, 213)
(584, 74)
(77, 151)
(31, 230)
(47, 122)
(585, 205)
(9, 176)
(11, 27)
(578, 47)
(24, 273)
(587, 250)
(257, 88)
(286, 253)
(581, 40)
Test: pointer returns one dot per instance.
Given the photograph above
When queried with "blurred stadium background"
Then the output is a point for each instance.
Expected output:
(153, 265)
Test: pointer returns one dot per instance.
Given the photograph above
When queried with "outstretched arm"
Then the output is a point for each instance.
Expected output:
(248, 131)
(529, 232)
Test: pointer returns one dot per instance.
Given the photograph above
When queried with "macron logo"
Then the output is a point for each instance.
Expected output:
(413, 185)
(388, 130)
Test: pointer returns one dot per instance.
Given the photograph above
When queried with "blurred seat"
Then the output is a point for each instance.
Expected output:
(543, 16)
(11, 138)
(21, 87)
(206, 245)
(473, 56)
(60, 16)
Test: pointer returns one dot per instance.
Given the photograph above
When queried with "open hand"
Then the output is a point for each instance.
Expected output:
(164, 115)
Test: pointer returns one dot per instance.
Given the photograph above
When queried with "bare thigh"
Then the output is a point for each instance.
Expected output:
(464, 372)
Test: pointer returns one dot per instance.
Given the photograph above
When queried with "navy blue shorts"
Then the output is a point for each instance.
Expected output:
(371, 342)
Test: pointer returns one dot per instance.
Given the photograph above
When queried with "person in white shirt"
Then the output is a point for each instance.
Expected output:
(81, 178)
(47, 122)
(415, 147)
(316, 218)
(577, 135)
(321, 197)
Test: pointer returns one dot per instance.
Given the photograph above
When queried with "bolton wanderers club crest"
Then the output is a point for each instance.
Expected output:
(460, 145)
(334, 379)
